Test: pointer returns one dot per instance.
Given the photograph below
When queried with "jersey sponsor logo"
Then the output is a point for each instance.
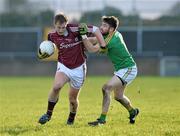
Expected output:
(63, 45)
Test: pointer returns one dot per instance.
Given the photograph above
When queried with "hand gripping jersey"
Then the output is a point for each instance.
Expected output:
(70, 47)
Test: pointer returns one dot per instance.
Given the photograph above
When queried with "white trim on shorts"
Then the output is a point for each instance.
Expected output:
(127, 74)
(75, 75)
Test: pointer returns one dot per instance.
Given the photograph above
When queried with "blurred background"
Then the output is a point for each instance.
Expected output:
(151, 30)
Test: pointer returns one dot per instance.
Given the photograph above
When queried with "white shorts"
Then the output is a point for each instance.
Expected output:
(127, 75)
(76, 75)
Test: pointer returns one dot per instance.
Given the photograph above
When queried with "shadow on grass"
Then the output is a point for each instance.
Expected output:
(17, 130)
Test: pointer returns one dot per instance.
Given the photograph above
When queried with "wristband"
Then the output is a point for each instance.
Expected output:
(84, 37)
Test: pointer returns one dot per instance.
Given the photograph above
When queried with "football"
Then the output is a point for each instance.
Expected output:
(47, 47)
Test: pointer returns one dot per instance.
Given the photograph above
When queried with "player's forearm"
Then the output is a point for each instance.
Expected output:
(99, 37)
(89, 46)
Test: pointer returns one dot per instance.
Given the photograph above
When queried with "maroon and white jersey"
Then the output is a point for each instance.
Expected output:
(70, 47)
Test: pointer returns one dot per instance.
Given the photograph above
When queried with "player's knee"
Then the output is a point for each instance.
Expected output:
(107, 87)
(56, 89)
(72, 98)
(105, 91)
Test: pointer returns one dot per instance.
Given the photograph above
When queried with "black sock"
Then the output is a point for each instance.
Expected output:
(50, 107)
(71, 116)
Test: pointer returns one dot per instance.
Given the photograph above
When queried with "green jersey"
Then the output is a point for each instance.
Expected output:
(118, 52)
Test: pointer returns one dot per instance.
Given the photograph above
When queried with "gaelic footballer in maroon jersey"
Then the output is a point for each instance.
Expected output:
(71, 65)
(70, 46)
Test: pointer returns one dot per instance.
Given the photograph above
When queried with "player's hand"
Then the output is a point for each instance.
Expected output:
(42, 55)
(83, 29)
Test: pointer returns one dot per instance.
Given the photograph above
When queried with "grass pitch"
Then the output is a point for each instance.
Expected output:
(24, 99)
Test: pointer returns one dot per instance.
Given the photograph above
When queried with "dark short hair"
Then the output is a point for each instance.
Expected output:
(60, 18)
(111, 20)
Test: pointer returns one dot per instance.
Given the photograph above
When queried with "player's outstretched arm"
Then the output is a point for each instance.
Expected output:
(91, 43)
(90, 46)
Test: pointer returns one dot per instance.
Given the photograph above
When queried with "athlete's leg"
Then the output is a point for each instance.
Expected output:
(106, 90)
(73, 103)
(120, 97)
(77, 77)
(60, 80)
(124, 100)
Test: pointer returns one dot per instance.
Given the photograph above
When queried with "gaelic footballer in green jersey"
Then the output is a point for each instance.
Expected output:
(125, 69)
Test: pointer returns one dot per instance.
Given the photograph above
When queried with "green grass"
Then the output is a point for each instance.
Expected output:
(24, 99)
